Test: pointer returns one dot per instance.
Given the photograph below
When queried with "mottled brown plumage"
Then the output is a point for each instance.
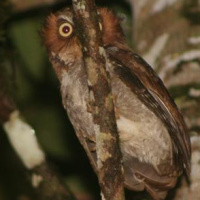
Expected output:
(153, 136)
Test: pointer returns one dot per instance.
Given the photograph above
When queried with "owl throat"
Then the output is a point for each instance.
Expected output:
(57, 58)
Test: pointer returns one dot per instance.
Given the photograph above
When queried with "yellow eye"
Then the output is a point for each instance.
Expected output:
(65, 29)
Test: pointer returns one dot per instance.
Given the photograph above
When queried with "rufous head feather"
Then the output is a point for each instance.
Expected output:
(111, 29)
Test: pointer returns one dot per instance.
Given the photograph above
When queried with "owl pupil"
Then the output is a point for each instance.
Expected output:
(66, 29)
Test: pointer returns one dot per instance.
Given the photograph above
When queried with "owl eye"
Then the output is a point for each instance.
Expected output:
(65, 29)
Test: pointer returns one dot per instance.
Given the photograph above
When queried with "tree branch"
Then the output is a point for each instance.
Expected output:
(109, 157)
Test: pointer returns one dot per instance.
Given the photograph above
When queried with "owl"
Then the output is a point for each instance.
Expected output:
(154, 141)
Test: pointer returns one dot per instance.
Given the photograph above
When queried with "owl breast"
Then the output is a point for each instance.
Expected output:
(75, 95)
(142, 134)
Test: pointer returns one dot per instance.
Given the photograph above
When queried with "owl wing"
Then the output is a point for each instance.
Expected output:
(142, 80)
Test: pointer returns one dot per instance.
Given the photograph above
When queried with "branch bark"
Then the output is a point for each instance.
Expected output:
(49, 184)
(109, 159)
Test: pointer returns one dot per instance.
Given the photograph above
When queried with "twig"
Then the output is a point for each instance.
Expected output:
(49, 185)
(109, 158)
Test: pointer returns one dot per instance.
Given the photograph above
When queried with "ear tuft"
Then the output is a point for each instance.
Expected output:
(112, 31)
(49, 31)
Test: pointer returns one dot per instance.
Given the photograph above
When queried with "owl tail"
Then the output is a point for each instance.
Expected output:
(144, 176)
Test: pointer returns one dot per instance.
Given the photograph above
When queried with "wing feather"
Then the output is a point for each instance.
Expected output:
(143, 81)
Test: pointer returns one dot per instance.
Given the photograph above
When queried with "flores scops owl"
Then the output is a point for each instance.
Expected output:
(153, 136)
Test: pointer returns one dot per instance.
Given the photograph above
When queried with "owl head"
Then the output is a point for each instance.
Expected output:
(59, 35)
